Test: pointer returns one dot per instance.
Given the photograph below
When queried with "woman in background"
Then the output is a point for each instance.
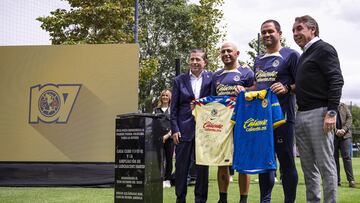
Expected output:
(164, 107)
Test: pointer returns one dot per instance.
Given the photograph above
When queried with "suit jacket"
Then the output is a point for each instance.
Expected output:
(346, 119)
(181, 116)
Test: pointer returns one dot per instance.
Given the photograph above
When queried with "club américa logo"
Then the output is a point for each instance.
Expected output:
(49, 103)
(52, 103)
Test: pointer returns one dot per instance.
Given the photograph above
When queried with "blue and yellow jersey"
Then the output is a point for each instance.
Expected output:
(256, 114)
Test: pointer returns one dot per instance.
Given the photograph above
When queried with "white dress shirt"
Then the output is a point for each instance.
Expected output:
(315, 39)
(196, 84)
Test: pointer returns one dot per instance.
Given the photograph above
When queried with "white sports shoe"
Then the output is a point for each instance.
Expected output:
(166, 184)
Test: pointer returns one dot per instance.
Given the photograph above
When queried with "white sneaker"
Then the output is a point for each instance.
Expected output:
(166, 184)
(256, 180)
(231, 179)
(276, 180)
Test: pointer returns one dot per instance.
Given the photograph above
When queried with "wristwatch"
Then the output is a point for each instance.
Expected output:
(332, 113)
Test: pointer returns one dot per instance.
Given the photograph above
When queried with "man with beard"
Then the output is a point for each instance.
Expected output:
(276, 70)
(230, 80)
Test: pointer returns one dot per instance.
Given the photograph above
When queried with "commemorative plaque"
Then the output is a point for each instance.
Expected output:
(138, 158)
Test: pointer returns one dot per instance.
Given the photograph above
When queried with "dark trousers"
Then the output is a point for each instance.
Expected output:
(168, 157)
(344, 146)
(284, 143)
(183, 152)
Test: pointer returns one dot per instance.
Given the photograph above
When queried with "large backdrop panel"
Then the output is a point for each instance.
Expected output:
(58, 107)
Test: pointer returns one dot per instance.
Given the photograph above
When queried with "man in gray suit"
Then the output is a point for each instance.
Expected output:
(342, 142)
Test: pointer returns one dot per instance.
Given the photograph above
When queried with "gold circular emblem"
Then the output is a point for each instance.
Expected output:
(264, 103)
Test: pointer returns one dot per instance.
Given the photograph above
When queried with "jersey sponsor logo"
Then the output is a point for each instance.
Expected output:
(52, 103)
(252, 125)
(225, 89)
(209, 126)
(263, 76)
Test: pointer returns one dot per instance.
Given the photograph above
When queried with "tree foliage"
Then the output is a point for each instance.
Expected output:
(91, 22)
(167, 30)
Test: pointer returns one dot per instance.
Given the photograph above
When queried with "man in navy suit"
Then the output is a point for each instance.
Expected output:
(194, 84)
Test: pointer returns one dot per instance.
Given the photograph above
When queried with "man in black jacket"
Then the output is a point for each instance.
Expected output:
(318, 83)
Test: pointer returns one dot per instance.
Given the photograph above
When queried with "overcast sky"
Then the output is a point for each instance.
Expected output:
(339, 22)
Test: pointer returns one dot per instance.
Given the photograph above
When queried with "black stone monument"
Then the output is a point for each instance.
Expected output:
(138, 159)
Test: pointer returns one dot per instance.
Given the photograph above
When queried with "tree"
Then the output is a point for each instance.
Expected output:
(168, 30)
(91, 22)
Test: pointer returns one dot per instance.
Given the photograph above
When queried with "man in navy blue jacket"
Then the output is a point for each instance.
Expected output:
(318, 85)
(194, 84)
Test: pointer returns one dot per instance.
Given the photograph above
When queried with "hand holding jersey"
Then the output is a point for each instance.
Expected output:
(279, 88)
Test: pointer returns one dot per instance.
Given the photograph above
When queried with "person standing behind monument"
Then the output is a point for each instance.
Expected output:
(318, 83)
(194, 84)
(343, 142)
(230, 80)
(163, 107)
(276, 70)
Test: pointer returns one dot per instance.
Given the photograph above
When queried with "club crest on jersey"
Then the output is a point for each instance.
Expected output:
(214, 112)
(52, 103)
(236, 78)
(275, 63)
(264, 103)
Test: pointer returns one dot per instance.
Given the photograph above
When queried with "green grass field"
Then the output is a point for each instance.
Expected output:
(98, 195)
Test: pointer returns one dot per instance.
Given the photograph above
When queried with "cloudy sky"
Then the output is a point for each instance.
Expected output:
(339, 22)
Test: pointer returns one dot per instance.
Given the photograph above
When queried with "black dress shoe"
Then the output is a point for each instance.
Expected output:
(352, 184)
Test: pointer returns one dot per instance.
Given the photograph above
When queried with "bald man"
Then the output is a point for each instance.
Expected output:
(230, 80)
